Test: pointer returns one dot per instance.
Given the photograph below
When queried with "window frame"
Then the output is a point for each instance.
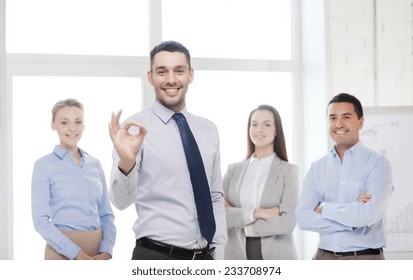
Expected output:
(12, 64)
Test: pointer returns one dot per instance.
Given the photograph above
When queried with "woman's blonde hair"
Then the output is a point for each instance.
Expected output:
(64, 103)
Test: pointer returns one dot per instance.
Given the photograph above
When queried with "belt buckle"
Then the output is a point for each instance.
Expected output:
(196, 253)
(345, 254)
(337, 254)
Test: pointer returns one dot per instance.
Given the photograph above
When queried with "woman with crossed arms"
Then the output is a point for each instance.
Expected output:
(261, 193)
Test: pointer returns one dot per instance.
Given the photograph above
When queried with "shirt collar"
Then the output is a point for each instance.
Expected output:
(353, 150)
(61, 153)
(267, 160)
(164, 113)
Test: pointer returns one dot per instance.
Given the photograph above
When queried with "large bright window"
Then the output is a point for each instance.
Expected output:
(251, 29)
(230, 104)
(97, 51)
(93, 27)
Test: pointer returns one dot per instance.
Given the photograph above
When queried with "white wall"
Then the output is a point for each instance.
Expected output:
(313, 136)
(370, 55)
(370, 43)
(5, 153)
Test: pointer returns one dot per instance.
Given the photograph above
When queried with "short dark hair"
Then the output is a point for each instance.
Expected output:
(345, 97)
(170, 46)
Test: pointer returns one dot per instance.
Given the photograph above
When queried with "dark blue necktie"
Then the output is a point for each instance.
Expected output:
(199, 180)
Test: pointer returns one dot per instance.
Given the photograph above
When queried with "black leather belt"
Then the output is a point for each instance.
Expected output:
(355, 253)
(173, 251)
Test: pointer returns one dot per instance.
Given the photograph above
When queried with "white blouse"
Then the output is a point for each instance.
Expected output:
(254, 182)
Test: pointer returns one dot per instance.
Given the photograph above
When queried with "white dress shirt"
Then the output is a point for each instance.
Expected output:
(160, 185)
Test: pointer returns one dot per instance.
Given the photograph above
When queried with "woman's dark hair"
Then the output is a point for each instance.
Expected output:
(279, 140)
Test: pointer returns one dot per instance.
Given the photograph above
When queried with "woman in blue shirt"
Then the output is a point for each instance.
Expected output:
(70, 205)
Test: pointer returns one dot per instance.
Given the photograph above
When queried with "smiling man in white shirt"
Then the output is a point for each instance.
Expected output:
(150, 168)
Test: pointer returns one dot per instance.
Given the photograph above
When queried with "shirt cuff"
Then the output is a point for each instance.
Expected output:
(127, 182)
(248, 216)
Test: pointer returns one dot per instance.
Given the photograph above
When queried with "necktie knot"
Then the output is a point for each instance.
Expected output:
(178, 116)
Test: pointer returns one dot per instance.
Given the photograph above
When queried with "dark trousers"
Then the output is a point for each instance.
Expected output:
(143, 253)
(254, 248)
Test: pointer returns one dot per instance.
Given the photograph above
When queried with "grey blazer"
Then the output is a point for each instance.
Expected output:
(281, 189)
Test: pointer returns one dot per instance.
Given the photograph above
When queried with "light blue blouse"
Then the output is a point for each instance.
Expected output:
(72, 197)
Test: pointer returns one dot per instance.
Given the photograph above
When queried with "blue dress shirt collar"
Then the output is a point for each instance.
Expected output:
(353, 150)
